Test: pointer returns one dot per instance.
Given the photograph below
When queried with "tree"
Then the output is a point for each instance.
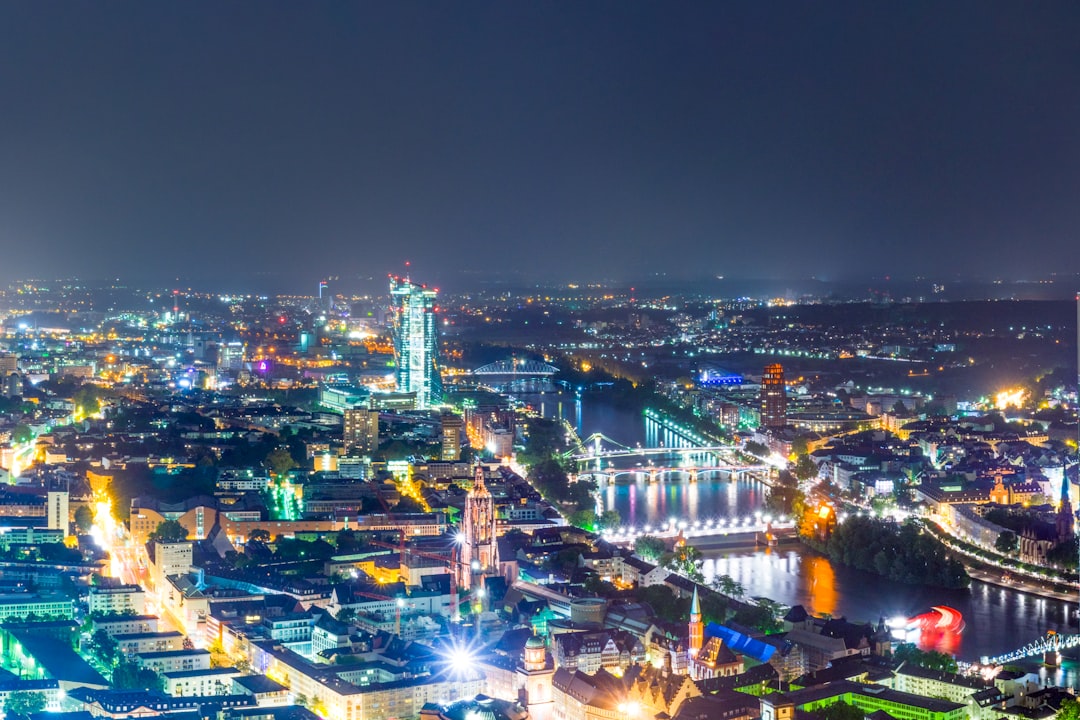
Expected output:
(755, 448)
(129, 676)
(1070, 710)
(839, 711)
(609, 519)
(649, 548)
(280, 461)
(104, 647)
(259, 535)
(584, 519)
(168, 531)
(22, 433)
(87, 399)
(24, 702)
(726, 585)
(84, 519)
(932, 660)
(1007, 542)
(805, 468)
(686, 561)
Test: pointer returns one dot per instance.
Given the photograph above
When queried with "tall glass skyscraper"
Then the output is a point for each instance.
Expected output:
(416, 341)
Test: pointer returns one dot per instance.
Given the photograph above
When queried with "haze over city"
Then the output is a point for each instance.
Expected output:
(274, 143)
(588, 360)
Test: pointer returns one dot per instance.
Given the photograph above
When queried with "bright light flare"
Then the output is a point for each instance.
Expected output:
(1014, 397)
(459, 658)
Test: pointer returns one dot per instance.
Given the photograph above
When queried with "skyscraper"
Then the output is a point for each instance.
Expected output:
(416, 342)
(773, 399)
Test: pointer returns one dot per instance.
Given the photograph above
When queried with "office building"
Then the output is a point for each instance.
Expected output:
(361, 430)
(117, 599)
(453, 430)
(9, 363)
(230, 357)
(416, 343)
(57, 503)
(773, 397)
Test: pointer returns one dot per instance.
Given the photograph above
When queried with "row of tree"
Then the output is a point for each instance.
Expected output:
(900, 552)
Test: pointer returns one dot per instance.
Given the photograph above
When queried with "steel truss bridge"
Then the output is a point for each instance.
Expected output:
(592, 452)
(692, 473)
(511, 368)
(1052, 642)
(636, 452)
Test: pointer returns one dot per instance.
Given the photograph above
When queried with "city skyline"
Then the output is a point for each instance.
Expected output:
(594, 141)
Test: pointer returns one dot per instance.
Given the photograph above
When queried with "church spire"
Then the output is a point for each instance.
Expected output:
(697, 633)
(1065, 518)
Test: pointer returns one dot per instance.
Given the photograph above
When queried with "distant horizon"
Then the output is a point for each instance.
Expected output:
(955, 288)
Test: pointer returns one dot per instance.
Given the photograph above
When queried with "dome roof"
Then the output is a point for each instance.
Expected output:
(535, 642)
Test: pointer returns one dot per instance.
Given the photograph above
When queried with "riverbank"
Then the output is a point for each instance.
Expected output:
(741, 541)
(1044, 584)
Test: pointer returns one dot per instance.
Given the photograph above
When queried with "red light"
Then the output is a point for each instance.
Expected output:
(281, 319)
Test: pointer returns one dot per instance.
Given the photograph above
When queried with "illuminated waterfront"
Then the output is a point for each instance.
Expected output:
(793, 574)
(998, 619)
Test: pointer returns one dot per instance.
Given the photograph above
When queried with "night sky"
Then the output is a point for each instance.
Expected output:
(286, 141)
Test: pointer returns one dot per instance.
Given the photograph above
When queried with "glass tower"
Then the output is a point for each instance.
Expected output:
(416, 342)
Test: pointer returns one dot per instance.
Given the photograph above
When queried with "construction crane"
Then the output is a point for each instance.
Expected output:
(399, 604)
(454, 563)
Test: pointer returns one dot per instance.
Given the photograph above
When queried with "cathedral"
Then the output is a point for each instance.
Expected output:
(480, 549)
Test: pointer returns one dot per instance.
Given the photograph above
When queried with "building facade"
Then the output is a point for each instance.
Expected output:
(773, 397)
(361, 430)
(416, 343)
(479, 552)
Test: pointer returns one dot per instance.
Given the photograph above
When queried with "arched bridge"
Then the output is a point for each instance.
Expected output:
(532, 368)
(1052, 642)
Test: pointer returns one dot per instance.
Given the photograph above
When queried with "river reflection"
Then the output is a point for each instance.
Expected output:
(997, 619)
(642, 503)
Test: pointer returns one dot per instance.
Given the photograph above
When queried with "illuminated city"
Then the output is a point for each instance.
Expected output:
(523, 362)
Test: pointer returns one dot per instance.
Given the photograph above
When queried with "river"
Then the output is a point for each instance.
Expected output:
(997, 619)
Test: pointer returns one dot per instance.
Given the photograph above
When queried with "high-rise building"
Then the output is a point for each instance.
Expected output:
(480, 550)
(773, 397)
(416, 342)
(9, 363)
(57, 512)
(361, 430)
(230, 357)
(453, 428)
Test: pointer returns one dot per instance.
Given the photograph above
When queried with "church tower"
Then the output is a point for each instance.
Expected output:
(479, 554)
(534, 676)
(697, 630)
(1065, 515)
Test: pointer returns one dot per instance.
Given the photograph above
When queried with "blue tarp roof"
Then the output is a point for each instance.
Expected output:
(742, 644)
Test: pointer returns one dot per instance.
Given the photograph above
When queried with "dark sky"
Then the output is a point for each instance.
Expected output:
(213, 140)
